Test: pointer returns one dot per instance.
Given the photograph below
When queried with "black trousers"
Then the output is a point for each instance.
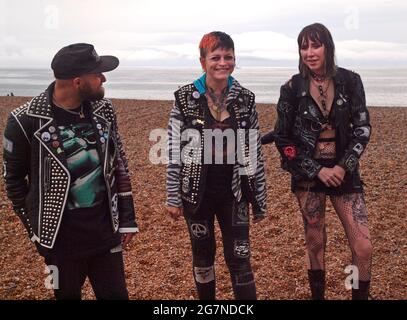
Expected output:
(105, 272)
(233, 220)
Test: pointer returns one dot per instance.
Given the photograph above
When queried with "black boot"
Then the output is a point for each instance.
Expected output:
(317, 284)
(245, 292)
(206, 291)
(363, 292)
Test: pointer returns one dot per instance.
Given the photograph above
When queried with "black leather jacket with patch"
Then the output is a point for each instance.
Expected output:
(299, 124)
(36, 172)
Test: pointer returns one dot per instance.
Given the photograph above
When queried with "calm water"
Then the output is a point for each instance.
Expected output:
(384, 87)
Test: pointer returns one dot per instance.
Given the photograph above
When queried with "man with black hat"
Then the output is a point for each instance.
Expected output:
(67, 177)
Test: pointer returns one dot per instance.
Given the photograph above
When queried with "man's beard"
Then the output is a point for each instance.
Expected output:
(87, 94)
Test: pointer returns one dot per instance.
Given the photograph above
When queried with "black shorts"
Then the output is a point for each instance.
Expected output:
(351, 184)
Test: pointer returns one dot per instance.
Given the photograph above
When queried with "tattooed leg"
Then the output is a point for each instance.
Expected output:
(352, 212)
(312, 207)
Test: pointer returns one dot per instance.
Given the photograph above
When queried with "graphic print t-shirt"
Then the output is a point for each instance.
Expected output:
(86, 228)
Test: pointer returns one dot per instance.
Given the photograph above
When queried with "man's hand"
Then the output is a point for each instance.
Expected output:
(174, 212)
(126, 238)
(332, 177)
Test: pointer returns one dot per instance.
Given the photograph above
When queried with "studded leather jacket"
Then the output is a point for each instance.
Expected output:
(300, 122)
(36, 172)
(186, 171)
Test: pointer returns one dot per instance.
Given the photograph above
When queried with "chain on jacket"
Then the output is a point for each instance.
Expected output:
(300, 122)
(185, 179)
(36, 173)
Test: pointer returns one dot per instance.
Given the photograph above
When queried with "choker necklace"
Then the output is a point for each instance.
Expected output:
(218, 101)
(81, 114)
(317, 77)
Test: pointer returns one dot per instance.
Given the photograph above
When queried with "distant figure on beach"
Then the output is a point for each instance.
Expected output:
(204, 179)
(66, 175)
(321, 131)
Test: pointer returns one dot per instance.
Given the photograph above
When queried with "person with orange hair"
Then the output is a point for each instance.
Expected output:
(214, 126)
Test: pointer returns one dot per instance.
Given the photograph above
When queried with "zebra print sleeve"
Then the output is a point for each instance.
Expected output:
(261, 191)
(174, 166)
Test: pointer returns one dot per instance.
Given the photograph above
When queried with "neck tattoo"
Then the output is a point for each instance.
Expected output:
(218, 101)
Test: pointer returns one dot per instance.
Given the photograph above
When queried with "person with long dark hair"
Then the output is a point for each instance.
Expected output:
(322, 129)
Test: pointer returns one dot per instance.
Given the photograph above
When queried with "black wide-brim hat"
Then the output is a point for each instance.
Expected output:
(78, 59)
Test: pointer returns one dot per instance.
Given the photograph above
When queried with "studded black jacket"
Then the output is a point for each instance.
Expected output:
(36, 173)
(300, 122)
(186, 172)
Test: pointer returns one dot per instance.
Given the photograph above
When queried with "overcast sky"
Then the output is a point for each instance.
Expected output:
(166, 33)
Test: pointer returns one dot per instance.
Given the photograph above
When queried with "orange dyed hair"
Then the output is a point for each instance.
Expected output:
(214, 40)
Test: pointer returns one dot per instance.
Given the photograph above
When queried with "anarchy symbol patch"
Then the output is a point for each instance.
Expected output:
(198, 230)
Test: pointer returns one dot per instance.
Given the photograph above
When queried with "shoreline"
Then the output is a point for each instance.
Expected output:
(149, 101)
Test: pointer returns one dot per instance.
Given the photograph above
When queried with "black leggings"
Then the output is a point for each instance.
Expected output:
(233, 220)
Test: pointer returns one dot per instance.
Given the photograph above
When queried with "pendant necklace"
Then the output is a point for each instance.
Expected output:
(81, 114)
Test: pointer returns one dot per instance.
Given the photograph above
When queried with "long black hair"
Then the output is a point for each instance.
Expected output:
(318, 33)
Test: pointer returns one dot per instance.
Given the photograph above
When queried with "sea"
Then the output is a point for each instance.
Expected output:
(383, 87)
